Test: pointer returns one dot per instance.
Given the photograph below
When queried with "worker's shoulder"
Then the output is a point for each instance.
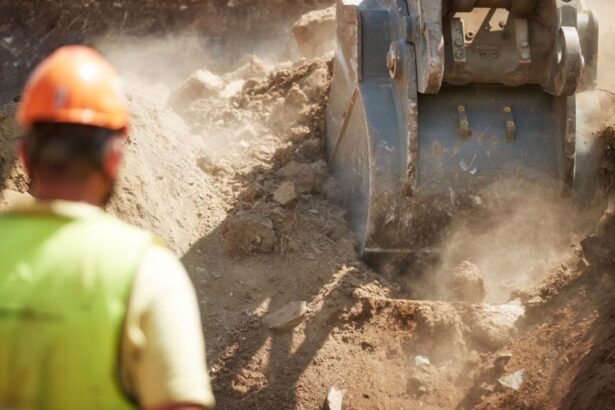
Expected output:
(161, 278)
(114, 226)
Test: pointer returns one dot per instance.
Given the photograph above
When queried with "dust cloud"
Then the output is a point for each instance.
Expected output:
(606, 54)
(192, 80)
(522, 231)
(170, 59)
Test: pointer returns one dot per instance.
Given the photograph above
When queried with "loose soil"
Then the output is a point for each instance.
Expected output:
(227, 166)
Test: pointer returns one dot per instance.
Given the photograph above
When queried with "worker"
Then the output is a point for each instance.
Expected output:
(94, 313)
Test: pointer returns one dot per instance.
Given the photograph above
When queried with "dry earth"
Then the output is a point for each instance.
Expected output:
(226, 164)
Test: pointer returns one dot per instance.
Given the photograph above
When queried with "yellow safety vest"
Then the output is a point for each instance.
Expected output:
(64, 287)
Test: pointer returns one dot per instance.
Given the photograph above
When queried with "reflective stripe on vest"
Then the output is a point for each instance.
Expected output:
(64, 288)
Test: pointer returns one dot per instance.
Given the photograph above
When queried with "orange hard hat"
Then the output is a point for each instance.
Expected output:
(74, 85)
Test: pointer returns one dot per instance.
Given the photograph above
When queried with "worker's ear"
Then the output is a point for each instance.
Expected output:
(113, 157)
(22, 154)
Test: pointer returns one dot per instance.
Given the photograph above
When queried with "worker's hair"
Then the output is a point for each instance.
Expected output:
(61, 144)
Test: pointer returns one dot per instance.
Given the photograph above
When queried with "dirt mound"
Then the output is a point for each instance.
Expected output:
(162, 187)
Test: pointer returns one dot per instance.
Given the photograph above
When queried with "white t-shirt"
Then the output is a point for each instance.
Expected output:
(163, 351)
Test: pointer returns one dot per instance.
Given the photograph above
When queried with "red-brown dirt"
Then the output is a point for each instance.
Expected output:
(202, 173)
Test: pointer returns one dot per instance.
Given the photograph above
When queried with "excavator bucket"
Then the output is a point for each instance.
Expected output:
(433, 100)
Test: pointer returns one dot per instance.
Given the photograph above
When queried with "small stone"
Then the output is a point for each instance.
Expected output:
(501, 360)
(252, 193)
(494, 325)
(201, 84)
(467, 283)
(421, 360)
(233, 88)
(513, 380)
(296, 96)
(316, 84)
(314, 32)
(535, 301)
(210, 166)
(247, 232)
(334, 399)
(307, 177)
(286, 194)
(299, 134)
(283, 154)
(293, 246)
(253, 68)
(287, 317)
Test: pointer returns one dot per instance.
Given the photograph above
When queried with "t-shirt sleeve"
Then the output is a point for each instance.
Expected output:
(163, 349)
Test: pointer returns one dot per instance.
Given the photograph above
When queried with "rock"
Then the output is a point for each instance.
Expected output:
(253, 68)
(296, 96)
(281, 218)
(535, 301)
(494, 325)
(287, 317)
(467, 283)
(286, 194)
(211, 167)
(201, 84)
(422, 380)
(252, 193)
(513, 380)
(299, 134)
(316, 84)
(247, 133)
(283, 154)
(307, 177)
(314, 32)
(501, 360)
(232, 88)
(421, 360)
(334, 399)
(439, 325)
(246, 232)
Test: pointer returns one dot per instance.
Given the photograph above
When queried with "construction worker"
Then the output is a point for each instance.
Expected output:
(94, 313)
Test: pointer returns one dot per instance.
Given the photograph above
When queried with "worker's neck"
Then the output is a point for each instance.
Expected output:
(85, 194)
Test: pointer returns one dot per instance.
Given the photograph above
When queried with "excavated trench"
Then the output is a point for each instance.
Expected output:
(226, 164)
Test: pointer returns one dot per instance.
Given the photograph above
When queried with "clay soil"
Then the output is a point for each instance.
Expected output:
(227, 165)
